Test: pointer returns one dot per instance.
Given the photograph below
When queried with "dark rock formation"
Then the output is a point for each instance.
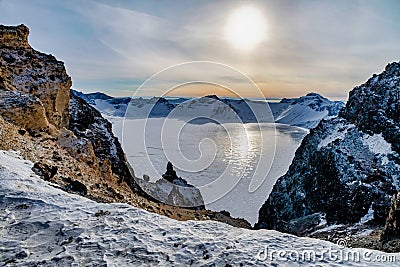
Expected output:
(44, 170)
(87, 122)
(174, 190)
(171, 176)
(347, 168)
(76, 186)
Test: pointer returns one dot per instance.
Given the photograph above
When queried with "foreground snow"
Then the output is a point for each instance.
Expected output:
(43, 226)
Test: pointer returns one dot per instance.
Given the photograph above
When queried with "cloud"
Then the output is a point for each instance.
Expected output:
(113, 46)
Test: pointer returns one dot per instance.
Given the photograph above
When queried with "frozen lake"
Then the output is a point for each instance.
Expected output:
(234, 165)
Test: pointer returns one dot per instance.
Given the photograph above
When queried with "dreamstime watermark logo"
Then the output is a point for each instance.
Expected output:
(339, 253)
(212, 148)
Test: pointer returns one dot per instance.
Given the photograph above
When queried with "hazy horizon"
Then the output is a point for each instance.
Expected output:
(287, 48)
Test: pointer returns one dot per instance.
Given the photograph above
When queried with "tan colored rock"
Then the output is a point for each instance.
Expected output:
(34, 73)
(79, 148)
(392, 228)
(23, 110)
(15, 37)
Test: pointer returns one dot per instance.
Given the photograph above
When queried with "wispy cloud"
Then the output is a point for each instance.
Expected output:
(321, 46)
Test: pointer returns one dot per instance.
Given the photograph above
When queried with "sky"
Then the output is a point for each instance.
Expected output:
(115, 46)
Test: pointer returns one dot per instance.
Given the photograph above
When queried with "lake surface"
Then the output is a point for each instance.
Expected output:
(234, 165)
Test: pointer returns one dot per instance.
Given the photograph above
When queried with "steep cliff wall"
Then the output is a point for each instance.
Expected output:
(347, 169)
(81, 156)
(35, 73)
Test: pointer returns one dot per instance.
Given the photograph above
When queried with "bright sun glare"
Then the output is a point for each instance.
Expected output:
(245, 28)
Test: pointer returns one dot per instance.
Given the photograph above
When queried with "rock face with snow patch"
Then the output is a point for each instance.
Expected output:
(86, 122)
(347, 168)
(23, 110)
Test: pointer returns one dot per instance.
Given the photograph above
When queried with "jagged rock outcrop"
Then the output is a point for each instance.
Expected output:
(14, 37)
(87, 123)
(374, 107)
(35, 112)
(34, 73)
(347, 168)
(174, 190)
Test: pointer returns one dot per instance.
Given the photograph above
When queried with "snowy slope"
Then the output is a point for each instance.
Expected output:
(305, 111)
(43, 226)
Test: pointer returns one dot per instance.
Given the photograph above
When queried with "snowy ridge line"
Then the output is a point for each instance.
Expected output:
(41, 225)
(305, 111)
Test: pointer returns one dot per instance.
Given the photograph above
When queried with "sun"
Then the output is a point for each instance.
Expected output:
(245, 28)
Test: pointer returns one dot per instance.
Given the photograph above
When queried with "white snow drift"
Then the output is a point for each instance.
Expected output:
(41, 225)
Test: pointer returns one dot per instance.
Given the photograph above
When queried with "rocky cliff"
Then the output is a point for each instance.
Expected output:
(80, 154)
(347, 169)
(36, 74)
(391, 232)
(87, 123)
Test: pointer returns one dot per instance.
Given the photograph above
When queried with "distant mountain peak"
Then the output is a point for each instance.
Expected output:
(213, 97)
(313, 94)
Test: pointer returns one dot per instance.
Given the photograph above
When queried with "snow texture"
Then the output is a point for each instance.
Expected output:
(41, 225)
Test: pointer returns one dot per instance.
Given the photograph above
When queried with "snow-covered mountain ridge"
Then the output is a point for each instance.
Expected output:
(44, 226)
(305, 111)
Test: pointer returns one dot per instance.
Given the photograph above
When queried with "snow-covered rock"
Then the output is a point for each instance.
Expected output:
(306, 111)
(41, 225)
(347, 167)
